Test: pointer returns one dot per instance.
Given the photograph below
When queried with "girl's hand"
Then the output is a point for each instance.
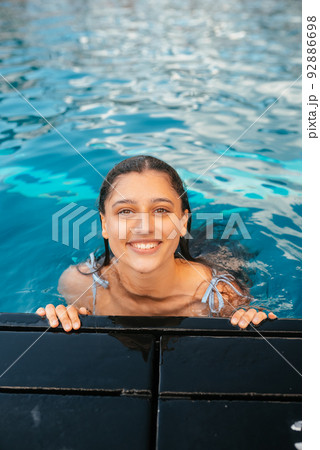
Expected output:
(69, 317)
(243, 318)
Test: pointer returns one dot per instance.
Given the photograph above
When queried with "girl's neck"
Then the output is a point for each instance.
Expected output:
(157, 284)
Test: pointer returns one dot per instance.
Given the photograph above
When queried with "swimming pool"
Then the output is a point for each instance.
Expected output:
(182, 81)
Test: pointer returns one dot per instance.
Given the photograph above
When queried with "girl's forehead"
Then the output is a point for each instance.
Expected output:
(151, 179)
(143, 185)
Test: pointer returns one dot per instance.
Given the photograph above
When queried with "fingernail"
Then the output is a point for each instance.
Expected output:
(76, 325)
(67, 327)
(54, 323)
(242, 323)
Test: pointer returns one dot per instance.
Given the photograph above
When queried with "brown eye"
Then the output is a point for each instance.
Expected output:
(125, 212)
(161, 210)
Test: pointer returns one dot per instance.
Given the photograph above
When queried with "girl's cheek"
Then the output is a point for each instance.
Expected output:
(117, 230)
(122, 230)
(171, 231)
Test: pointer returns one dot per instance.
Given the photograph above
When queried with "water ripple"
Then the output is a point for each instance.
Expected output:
(179, 80)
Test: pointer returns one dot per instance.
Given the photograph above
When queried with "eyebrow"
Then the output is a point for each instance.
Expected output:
(153, 200)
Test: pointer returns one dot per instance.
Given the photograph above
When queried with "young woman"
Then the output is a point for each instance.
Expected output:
(146, 217)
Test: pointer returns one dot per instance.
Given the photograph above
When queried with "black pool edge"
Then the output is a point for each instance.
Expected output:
(155, 324)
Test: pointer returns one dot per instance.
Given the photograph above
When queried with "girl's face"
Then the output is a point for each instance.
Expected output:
(143, 220)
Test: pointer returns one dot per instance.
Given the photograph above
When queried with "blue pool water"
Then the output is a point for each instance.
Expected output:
(180, 80)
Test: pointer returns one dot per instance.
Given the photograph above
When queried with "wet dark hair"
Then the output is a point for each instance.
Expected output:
(140, 164)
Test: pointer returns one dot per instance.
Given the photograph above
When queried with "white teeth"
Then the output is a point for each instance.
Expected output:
(144, 246)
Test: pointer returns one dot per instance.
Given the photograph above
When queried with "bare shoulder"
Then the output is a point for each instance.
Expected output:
(197, 277)
(75, 286)
(232, 292)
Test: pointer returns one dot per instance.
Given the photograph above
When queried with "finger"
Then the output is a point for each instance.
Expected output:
(64, 317)
(74, 317)
(52, 316)
(247, 317)
(237, 316)
(259, 317)
(272, 316)
(83, 310)
(41, 311)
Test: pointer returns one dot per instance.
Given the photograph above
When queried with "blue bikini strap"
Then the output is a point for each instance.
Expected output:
(96, 279)
(212, 288)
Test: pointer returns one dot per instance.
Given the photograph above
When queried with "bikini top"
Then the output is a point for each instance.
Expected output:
(208, 295)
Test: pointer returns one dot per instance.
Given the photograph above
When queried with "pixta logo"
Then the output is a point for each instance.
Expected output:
(69, 221)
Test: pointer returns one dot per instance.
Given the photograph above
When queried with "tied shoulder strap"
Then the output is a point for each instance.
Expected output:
(93, 265)
(212, 288)
(96, 279)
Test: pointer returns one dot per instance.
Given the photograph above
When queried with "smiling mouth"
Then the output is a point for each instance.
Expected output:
(148, 247)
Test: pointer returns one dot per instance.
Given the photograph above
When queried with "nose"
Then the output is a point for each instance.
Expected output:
(143, 224)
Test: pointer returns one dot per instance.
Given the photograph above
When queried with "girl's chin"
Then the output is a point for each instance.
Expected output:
(142, 264)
